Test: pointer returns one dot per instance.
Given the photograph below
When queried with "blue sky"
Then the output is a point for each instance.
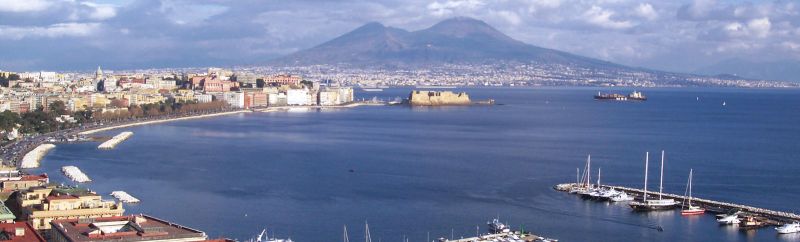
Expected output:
(666, 35)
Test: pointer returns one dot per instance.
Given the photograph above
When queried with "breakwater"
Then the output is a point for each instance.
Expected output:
(113, 142)
(32, 158)
(123, 196)
(75, 174)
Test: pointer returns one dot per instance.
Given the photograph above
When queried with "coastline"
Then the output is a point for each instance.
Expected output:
(159, 121)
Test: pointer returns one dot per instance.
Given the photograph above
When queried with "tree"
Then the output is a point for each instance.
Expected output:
(59, 108)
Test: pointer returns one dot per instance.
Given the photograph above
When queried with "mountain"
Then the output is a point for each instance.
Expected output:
(453, 41)
(784, 70)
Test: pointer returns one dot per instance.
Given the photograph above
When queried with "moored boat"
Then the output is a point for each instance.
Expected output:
(495, 227)
(688, 208)
(653, 204)
(789, 228)
(729, 219)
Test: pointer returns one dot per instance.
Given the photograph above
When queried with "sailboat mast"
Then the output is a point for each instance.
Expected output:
(646, 163)
(588, 171)
(346, 238)
(598, 177)
(661, 177)
(577, 175)
(690, 187)
(367, 237)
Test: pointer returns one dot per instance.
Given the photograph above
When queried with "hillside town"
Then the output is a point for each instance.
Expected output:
(109, 96)
(37, 107)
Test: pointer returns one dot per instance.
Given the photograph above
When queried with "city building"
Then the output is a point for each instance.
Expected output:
(283, 80)
(122, 229)
(41, 205)
(23, 182)
(298, 97)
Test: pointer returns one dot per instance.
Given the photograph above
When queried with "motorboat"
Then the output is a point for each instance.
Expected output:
(729, 219)
(788, 228)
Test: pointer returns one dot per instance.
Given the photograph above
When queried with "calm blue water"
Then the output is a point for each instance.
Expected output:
(443, 170)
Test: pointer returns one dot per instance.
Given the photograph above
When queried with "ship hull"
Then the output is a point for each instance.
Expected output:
(644, 207)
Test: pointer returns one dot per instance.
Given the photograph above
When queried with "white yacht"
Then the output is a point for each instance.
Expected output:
(622, 197)
(789, 228)
(729, 219)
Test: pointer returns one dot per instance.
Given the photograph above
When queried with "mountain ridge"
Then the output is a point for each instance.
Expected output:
(459, 40)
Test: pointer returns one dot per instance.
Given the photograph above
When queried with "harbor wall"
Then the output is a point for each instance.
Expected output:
(438, 98)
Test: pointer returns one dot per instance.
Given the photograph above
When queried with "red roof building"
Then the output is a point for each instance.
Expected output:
(19, 232)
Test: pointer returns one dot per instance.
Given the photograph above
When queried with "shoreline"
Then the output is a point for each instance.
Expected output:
(159, 121)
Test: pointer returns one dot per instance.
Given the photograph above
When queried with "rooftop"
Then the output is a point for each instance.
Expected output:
(19, 232)
(125, 228)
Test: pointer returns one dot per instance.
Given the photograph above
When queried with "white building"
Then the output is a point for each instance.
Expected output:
(298, 97)
(203, 98)
(235, 99)
(328, 98)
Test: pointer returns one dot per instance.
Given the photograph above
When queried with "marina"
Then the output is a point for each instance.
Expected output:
(767, 216)
(123, 196)
(113, 142)
(641, 200)
(75, 174)
(32, 158)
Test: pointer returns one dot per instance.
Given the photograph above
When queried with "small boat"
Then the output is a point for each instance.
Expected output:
(729, 219)
(656, 204)
(750, 222)
(690, 209)
(789, 228)
(496, 227)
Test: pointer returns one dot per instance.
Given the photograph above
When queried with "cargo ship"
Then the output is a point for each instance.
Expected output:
(634, 96)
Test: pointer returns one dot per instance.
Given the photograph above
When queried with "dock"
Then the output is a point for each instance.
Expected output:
(771, 217)
(114, 141)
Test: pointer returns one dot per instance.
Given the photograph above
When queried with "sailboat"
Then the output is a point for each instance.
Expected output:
(346, 237)
(657, 204)
(688, 208)
(584, 187)
(367, 236)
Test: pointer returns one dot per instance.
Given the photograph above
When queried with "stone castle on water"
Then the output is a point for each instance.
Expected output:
(438, 98)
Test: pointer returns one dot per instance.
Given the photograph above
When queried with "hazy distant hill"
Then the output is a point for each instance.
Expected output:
(456, 40)
(773, 70)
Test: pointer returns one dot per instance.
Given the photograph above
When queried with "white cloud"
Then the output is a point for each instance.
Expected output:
(508, 16)
(101, 11)
(646, 11)
(23, 5)
(759, 27)
(448, 7)
(755, 28)
(52, 31)
(602, 18)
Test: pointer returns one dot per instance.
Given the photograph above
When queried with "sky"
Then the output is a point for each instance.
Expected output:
(674, 35)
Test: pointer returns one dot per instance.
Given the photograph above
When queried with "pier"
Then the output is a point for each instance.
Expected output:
(32, 158)
(771, 217)
(114, 141)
